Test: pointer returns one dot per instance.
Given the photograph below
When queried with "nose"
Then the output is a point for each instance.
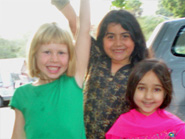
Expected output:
(118, 41)
(54, 58)
(148, 94)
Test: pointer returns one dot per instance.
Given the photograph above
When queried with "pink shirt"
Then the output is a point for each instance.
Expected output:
(161, 124)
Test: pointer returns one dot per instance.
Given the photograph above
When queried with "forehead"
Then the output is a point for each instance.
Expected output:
(54, 46)
(150, 78)
(115, 28)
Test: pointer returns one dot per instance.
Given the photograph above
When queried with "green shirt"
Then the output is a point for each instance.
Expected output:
(51, 111)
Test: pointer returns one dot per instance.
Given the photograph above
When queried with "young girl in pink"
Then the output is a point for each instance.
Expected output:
(149, 91)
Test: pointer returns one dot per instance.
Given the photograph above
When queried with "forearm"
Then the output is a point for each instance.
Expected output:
(85, 15)
(67, 10)
(83, 41)
(71, 16)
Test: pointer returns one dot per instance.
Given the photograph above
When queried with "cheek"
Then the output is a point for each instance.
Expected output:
(131, 46)
(136, 98)
(64, 59)
(106, 44)
(40, 59)
(160, 98)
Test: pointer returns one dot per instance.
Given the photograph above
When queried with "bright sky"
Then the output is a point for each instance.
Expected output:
(18, 17)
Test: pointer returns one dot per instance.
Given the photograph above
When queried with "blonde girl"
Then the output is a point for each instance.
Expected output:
(52, 107)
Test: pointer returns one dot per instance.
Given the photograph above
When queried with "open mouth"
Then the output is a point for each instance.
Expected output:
(119, 50)
(53, 69)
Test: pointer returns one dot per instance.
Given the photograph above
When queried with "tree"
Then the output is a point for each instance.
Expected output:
(177, 7)
(119, 3)
(149, 23)
(132, 6)
(163, 11)
(12, 48)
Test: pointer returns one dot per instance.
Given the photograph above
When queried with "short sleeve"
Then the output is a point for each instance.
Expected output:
(60, 4)
(15, 101)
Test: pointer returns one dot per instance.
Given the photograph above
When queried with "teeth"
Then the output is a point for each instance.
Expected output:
(148, 103)
(53, 68)
(118, 51)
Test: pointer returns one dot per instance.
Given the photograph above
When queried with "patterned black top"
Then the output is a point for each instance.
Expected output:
(104, 94)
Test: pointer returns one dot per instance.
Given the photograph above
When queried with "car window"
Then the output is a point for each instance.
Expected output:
(178, 47)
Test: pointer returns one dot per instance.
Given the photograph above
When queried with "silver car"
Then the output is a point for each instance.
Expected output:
(168, 43)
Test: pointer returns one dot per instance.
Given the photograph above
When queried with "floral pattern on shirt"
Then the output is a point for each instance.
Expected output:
(104, 94)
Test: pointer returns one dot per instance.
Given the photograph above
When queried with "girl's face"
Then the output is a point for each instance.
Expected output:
(149, 94)
(118, 44)
(52, 60)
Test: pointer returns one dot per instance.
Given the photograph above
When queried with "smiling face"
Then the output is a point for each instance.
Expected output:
(118, 44)
(52, 60)
(149, 94)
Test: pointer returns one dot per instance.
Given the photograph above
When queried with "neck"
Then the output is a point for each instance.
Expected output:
(115, 66)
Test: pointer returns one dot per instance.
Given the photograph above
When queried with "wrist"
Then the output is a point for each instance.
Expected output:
(60, 4)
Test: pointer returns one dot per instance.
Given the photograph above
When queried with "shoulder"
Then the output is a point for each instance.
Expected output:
(64, 77)
(23, 87)
(171, 117)
(69, 82)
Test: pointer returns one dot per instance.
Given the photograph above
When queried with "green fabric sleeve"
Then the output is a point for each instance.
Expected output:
(60, 4)
(16, 100)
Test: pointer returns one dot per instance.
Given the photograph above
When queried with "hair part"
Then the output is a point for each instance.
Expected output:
(138, 72)
(46, 34)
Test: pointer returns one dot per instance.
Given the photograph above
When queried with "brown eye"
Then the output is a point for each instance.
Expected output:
(157, 89)
(140, 88)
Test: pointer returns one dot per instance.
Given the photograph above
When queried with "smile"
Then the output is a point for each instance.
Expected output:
(119, 50)
(148, 104)
(53, 69)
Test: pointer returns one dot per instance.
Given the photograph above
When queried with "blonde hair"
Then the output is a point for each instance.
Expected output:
(46, 34)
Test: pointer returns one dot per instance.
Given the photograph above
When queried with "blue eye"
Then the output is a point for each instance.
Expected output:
(61, 53)
(47, 52)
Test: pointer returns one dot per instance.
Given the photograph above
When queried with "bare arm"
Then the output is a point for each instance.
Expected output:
(67, 10)
(18, 131)
(83, 41)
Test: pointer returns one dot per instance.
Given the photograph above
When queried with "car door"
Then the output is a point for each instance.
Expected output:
(168, 43)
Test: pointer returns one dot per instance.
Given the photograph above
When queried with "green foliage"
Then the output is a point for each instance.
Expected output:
(177, 7)
(134, 6)
(180, 50)
(148, 24)
(118, 3)
(12, 48)
(163, 11)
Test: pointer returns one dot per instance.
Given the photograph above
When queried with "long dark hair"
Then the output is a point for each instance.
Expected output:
(161, 71)
(129, 23)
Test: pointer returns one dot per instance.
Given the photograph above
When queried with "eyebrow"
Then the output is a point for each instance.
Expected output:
(155, 84)
(111, 33)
